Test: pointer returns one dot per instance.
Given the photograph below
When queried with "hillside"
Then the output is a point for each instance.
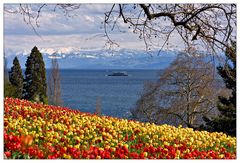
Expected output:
(39, 131)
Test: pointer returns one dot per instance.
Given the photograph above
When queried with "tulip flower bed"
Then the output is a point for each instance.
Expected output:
(40, 131)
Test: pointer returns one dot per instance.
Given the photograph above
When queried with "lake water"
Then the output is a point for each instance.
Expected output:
(80, 89)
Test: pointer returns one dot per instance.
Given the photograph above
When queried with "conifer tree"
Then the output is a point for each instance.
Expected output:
(16, 78)
(9, 90)
(226, 121)
(6, 77)
(35, 86)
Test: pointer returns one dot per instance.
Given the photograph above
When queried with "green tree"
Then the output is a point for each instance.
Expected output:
(6, 78)
(16, 78)
(35, 86)
(9, 90)
(226, 121)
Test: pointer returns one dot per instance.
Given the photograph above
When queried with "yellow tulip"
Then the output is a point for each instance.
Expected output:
(145, 154)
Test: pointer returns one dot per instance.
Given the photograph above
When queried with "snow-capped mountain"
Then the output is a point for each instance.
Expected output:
(72, 58)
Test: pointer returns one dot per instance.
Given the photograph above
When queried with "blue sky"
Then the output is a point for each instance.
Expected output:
(83, 30)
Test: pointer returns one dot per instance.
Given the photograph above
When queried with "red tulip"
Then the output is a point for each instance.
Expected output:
(8, 154)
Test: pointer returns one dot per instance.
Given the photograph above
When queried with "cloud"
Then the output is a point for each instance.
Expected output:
(13, 24)
(89, 18)
(96, 9)
(81, 31)
(65, 43)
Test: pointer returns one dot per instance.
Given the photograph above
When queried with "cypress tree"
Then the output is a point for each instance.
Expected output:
(16, 78)
(226, 121)
(35, 86)
(9, 90)
(6, 77)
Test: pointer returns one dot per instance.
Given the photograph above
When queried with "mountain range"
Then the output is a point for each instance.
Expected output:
(101, 58)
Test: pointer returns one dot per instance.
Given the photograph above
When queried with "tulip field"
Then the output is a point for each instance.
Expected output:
(38, 131)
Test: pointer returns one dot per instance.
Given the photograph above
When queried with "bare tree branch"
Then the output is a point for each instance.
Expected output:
(184, 93)
(211, 26)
